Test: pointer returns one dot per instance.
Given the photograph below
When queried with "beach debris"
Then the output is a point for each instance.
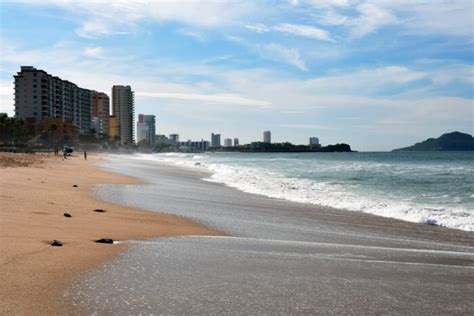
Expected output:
(74, 186)
(197, 164)
(56, 243)
(105, 241)
(99, 210)
(67, 215)
(42, 181)
(431, 221)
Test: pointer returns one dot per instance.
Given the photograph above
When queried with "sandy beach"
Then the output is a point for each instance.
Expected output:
(35, 192)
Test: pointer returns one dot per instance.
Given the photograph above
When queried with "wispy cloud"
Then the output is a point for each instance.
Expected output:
(259, 28)
(94, 52)
(292, 29)
(214, 98)
(199, 36)
(371, 18)
(281, 53)
(304, 31)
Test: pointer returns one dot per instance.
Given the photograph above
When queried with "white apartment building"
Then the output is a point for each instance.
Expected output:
(123, 106)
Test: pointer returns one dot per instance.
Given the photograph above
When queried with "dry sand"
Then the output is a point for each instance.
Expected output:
(35, 192)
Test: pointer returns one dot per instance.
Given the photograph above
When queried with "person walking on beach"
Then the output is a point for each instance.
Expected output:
(85, 155)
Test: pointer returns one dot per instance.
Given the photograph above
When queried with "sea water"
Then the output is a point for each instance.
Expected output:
(425, 187)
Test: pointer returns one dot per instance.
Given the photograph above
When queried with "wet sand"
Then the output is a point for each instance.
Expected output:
(35, 192)
(282, 258)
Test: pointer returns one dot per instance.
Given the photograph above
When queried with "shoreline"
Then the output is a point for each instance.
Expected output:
(287, 255)
(347, 195)
(196, 177)
(36, 190)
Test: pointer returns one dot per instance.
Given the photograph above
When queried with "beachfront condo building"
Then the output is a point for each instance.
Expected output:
(267, 137)
(39, 95)
(314, 141)
(174, 138)
(193, 146)
(146, 129)
(123, 106)
(101, 113)
(113, 128)
(236, 142)
(215, 140)
(227, 142)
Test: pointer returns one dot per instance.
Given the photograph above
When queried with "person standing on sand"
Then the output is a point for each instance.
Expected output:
(85, 155)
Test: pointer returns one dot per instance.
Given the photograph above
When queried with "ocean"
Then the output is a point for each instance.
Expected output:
(424, 187)
(285, 257)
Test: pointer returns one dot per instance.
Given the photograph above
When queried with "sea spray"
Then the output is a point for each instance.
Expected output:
(431, 188)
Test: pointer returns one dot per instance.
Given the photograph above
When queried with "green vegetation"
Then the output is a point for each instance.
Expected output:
(454, 141)
(14, 131)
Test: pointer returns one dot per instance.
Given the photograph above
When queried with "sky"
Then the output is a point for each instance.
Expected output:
(376, 74)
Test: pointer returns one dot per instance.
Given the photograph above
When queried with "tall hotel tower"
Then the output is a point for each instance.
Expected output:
(123, 105)
(39, 95)
(267, 137)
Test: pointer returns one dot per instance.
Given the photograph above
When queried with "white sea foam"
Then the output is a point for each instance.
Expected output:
(330, 194)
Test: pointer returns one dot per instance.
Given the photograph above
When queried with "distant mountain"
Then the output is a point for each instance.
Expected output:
(454, 141)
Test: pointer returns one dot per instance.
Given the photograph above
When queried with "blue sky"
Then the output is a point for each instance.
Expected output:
(375, 74)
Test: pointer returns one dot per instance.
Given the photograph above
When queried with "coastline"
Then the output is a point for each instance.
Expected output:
(285, 257)
(35, 192)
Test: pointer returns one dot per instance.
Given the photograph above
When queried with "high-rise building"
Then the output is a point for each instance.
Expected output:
(39, 95)
(236, 142)
(314, 141)
(101, 113)
(227, 142)
(174, 138)
(267, 137)
(146, 129)
(113, 127)
(162, 140)
(215, 140)
(193, 146)
(123, 105)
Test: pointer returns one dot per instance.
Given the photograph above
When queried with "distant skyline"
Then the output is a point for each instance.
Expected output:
(377, 75)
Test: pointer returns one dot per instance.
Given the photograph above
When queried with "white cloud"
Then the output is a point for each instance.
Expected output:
(364, 81)
(293, 29)
(93, 29)
(452, 18)
(304, 31)
(411, 16)
(328, 3)
(104, 17)
(371, 18)
(281, 53)
(199, 36)
(220, 98)
(94, 52)
(259, 28)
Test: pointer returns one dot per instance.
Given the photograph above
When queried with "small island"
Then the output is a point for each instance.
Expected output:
(455, 141)
(283, 147)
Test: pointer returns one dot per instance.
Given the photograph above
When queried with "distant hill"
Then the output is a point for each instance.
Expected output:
(454, 141)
